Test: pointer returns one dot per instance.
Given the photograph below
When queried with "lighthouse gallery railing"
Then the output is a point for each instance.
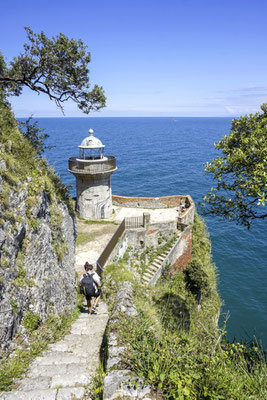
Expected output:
(92, 166)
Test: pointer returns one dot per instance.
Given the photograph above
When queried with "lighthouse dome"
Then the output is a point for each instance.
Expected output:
(91, 142)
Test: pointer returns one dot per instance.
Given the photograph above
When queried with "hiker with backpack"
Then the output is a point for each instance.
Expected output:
(90, 287)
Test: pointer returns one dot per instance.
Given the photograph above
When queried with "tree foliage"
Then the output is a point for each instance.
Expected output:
(240, 173)
(57, 67)
(34, 134)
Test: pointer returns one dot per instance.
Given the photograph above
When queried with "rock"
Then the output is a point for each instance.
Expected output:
(49, 283)
(124, 301)
(3, 165)
(119, 384)
(76, 393)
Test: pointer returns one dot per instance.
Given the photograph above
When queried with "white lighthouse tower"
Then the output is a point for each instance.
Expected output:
(93, 170)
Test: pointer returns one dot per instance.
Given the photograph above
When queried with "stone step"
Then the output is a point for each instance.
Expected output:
(36, 383)
(152, 269)
(148, 274)
(162, 258)
(165, 253)
(62, 372)
(84, 349)
(147, 277)
(156, 263)
(78, 377)
(48, 371)
(58, 357)
(71, 393)
(70, 380)
(49, 394)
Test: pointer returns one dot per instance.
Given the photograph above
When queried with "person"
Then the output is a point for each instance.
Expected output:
(90, 284)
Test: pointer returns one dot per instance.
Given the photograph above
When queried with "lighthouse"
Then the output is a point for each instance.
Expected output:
(92, 170)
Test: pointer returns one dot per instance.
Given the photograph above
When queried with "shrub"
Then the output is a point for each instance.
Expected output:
(195, 278)
(31, 321)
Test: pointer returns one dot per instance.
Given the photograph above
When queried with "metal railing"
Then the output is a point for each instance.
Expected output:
(109, 248)
(134, 222)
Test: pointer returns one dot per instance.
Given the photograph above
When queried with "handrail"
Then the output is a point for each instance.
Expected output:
(102, 259)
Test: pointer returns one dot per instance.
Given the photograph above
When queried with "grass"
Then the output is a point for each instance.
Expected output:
(97, 221)
(83, 238)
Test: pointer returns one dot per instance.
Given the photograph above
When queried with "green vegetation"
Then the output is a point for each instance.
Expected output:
(84, 238)
(98, 383)
(240, 173)
(22, 165)
(56, 67)
(14, 306)
(141, 260)
(98, 221)
(31, 321)
(39, 337)
(34, 134)
(26, 172)
(174, 343)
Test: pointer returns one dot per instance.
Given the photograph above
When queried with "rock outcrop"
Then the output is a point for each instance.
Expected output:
(37, 237)
(37, 268)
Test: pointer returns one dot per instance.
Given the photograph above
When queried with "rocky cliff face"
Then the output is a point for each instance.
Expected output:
(37, 243)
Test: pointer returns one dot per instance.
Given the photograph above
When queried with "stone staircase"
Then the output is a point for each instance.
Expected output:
(65, 370)
(155, 265)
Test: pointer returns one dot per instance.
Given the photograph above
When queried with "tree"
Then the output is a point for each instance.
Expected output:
(240, 173)
(34, 134)
(56, 67)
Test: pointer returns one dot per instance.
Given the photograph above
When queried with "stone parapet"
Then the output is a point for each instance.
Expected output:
(92, 167)
(119, 383)
(153, 202)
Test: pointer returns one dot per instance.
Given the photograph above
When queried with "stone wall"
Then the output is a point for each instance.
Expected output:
(153, 202)
(183, 257)
(93, 196)
(119, 383)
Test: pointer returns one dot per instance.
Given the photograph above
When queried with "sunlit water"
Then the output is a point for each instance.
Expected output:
(163, 156)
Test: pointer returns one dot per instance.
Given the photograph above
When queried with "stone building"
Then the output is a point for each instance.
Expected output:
(93, 170)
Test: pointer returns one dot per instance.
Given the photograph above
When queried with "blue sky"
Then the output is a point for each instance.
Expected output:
(153, 58)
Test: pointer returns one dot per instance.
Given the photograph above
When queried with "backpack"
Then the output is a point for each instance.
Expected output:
(88, 286)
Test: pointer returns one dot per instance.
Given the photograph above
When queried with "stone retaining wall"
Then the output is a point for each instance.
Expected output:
(119, 383)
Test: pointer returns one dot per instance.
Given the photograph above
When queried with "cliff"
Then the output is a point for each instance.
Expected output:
(163, 341)
(37, 236)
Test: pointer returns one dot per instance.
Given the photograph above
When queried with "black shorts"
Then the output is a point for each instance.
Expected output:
(97, 294)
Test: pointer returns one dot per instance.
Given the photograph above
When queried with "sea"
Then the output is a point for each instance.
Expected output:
(165, 156)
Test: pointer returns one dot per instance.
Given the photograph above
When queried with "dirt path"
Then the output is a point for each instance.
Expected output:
(65, 370)
(96, 236)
